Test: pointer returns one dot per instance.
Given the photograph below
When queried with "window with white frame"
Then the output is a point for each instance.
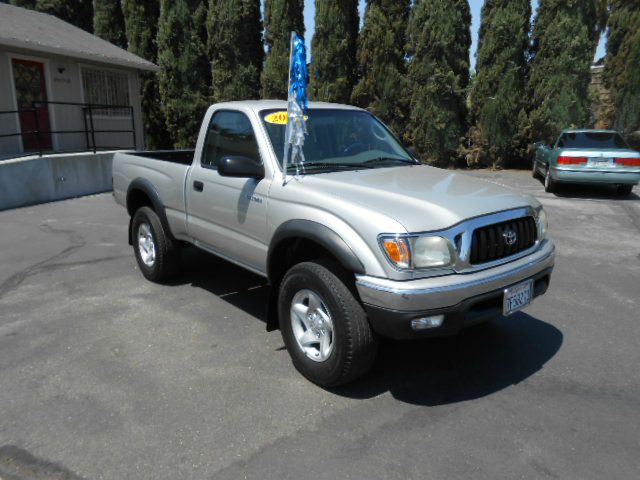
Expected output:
(106, 87)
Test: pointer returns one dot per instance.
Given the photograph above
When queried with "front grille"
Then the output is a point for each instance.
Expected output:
(490, 243)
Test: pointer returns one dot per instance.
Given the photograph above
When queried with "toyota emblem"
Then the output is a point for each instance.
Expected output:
(510, 237)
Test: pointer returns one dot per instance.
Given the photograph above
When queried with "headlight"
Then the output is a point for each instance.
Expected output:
(418, 252)
(542, 224)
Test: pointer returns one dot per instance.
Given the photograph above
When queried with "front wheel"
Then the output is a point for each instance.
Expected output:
(324, 327)
(534, 169)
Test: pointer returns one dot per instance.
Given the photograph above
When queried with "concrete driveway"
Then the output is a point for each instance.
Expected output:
(105, 375)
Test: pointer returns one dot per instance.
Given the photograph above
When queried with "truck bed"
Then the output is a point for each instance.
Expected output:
(166, 171)
(184, 157)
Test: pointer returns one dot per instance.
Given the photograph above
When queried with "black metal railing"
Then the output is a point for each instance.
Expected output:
(88, 111)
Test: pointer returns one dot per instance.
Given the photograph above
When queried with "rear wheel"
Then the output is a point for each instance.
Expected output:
(324, 327)
(156, 254)
(624, 190)
(550, 185)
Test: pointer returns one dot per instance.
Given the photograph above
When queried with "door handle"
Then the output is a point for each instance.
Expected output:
(198, 186)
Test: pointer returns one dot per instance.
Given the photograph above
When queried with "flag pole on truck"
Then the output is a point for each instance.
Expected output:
(297, 105)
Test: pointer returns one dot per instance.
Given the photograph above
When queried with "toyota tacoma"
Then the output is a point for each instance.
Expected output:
(359, 241)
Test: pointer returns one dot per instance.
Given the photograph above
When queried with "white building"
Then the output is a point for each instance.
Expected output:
(62, 89)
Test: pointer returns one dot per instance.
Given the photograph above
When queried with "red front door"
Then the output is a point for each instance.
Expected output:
(28, 78)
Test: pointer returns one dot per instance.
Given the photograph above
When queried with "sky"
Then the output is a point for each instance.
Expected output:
(476, 6)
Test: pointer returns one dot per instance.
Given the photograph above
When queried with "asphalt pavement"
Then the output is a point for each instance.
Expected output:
(104, 375)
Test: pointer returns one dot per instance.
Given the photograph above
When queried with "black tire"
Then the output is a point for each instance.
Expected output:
(550, 185)
(355, 345)
(166, 252)
(624, 190)
(534, 170)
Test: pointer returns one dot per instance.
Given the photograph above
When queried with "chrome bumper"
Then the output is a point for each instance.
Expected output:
(447, 291)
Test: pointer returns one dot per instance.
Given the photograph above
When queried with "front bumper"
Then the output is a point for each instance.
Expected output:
(464, 299)
(587, 175)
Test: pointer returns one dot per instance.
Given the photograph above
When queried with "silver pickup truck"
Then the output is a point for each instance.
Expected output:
(359, 242)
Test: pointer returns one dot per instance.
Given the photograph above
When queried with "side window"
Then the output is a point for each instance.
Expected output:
(560, 143)
(230, 133)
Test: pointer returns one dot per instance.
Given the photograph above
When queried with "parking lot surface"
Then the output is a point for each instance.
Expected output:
(104, 375)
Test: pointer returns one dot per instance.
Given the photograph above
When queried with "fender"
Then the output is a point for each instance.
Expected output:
(145, 186)
(320, 234)
(313, 231)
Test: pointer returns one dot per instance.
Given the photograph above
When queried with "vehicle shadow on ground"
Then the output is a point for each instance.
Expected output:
(235, 285)
(598, 192)
(480, 361)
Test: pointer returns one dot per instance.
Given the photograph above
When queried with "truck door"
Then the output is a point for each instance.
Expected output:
(224, 214)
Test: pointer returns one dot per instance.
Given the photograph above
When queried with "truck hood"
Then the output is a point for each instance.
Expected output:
(421, 198)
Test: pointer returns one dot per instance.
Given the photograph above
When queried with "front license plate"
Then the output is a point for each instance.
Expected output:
(517, 297)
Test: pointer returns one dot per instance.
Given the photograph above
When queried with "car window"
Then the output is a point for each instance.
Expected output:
(591, 140)
(337, 136)
(230, 134)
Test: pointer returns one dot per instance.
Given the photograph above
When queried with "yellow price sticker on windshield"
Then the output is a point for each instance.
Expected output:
(279, 118)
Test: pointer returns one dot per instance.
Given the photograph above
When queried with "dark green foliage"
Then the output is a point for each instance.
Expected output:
(75, 12)
(108, 22)
(334, 50)
(565, 36)
(185, 72)
(439, 39)
(280, 19)
(622, 68)
(235, 49)
(141, 22)
(498, 91)
(23, 3)
(381, 63)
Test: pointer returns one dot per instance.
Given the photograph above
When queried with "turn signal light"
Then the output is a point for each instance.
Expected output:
(398, 252)
(572, 160)
(628, 162)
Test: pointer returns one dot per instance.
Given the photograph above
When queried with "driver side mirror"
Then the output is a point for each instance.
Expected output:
(240, 166)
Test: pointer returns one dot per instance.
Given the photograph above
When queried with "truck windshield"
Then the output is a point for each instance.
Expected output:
(592, 140)
(339, 139)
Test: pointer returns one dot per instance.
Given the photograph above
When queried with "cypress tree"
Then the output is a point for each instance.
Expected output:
(334, 50)
(565, 36)
(185, 72)
(381, 63)
(235, 49)
(439, 39)
(280, 19)
(75, 12)
(141, 25)
(24, 3)
(108, 22)
(498, 92)
(622, 67)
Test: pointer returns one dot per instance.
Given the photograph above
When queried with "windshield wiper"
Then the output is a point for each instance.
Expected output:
(390, 159)
(324, 165)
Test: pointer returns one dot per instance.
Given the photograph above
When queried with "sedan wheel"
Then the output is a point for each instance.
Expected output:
(550, 185)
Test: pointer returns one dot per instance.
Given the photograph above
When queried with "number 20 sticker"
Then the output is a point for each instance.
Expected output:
(278, 118)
